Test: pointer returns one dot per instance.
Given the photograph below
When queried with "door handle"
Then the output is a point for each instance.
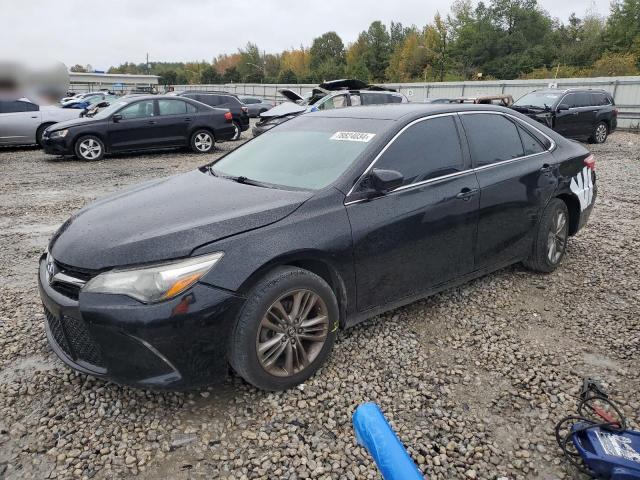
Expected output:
(187, 119)
(466, 193)
(152, 122)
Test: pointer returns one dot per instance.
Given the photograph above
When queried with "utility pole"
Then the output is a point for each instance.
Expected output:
(148, 63)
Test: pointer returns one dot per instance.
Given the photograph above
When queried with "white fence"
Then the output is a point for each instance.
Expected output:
(625, 91)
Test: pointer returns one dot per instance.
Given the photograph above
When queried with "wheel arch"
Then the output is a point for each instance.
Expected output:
(314, 261)
(202, 127)
(573, 206)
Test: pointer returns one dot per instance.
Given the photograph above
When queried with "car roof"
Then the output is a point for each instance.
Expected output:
(567, 90)
(397, 111)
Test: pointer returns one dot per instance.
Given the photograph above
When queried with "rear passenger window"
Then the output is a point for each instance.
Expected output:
(599, 99)
(428, 149)
(492, 138)
(172, 107)
(529, 142)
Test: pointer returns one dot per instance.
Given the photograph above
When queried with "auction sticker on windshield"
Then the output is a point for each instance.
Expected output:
(353, 136)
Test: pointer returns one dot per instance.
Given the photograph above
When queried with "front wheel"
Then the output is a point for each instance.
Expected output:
(202, 141)
(550, 242)
(286, 329)
(600, 133)
(89, 148)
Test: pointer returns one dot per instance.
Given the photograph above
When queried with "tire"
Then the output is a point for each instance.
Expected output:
(238, 131)
(280, 288)
(40, 132)
(89, 148)
(550, 242)
(202, 141)
(600, 133)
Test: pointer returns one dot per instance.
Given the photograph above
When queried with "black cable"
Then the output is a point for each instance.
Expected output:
(586, 402)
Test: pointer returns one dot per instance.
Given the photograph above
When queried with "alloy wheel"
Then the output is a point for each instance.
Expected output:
(601, 133)
(203, 142)
(90, 149)
(236, 131)
(292, 333)
(557, 239)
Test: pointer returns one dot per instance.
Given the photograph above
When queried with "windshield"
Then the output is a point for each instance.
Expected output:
(538, 99)
(115, 106)
(307, 152)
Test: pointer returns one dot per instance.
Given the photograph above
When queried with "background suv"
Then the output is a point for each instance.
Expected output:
(238, 110)
(576, 113)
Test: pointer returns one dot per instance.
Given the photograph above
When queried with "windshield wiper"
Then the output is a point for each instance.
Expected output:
(240, 179)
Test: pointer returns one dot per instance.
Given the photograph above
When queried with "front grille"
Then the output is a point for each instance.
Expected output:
(67, 289)
(74, 338)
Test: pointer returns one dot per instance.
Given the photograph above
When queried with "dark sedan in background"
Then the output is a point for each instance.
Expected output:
(584, 114)
(256, 105)
(141, 123)
(257, 259)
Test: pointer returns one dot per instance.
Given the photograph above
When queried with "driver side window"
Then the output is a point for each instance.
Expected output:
(138, 110)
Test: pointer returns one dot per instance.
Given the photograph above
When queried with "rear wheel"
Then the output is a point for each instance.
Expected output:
(600, 133)
(286, 329)
(237, 132)
(89, 148)
(550, 242)
(202, 141)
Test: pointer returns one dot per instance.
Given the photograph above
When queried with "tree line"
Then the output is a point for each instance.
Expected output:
(497, 39)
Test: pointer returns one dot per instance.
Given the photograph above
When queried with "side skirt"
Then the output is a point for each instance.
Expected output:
(359, 317)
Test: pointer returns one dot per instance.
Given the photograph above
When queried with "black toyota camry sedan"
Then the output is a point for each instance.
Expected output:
(141, 122)
(257, 259)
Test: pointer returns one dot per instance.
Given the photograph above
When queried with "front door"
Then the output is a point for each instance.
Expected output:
(567, 121)
(19, 121)
(136, 129)
(423, 233)
(514, 170)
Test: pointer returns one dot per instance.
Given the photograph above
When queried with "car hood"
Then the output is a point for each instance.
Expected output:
(74, 122)
(166, 219)
(283, 110)
(290, 95)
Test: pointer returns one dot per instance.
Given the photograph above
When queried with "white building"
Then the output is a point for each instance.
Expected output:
(117, 82)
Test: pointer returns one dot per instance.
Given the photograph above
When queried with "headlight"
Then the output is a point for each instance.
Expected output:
(58, 133)
(154, 283)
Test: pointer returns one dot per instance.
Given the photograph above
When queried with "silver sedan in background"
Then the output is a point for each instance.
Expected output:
(256, 105)
(22, 122)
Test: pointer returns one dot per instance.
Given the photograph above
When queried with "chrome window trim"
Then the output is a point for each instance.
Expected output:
(552, 146)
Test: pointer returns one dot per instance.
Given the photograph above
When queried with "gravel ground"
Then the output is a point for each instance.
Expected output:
(472, 379)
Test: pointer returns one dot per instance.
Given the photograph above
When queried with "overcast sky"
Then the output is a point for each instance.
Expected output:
(110, 32)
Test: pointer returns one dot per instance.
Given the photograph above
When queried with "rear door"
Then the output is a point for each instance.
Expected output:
(19, 121)
(514, 170)
(421, 234)
(173, 122)
(137, 129)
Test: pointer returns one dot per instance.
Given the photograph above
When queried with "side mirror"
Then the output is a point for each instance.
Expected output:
(116, 118)
(563, 107)
(384, 181)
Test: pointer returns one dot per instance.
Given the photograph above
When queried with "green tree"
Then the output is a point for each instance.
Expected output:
(287, 76)
(209, 75)
(378, 50)
(327, 55)
(623, 26)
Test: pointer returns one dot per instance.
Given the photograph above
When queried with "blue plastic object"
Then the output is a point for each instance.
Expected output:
(612, 455)
(375, 434)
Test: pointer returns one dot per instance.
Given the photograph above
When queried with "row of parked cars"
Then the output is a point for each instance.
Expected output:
(137, 122)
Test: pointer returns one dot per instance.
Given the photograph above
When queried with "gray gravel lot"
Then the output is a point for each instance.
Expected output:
(472, 379)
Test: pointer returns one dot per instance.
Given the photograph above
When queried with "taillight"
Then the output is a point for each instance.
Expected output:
(245, 109)
(228, 116)
(590, 162)
(615, 112)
